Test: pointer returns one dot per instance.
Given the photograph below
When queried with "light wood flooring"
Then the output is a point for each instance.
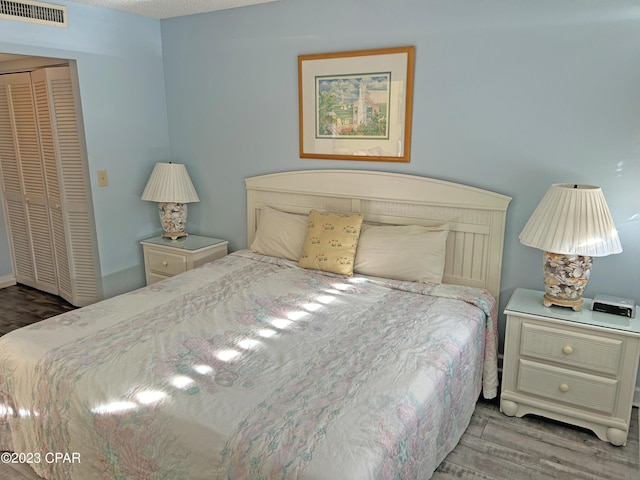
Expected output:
(493, 447)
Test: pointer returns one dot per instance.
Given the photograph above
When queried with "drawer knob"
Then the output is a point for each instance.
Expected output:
(564, 388)
(567, 350)
(165, 263)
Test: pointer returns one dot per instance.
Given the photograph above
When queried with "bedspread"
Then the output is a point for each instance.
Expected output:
(251, 368)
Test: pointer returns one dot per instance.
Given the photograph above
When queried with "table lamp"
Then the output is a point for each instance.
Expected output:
(571, 224)
(170, 186)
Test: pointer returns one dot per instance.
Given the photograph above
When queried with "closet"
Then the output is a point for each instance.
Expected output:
(45, 185)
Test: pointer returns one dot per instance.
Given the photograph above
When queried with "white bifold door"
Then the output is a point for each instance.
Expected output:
(45, 187)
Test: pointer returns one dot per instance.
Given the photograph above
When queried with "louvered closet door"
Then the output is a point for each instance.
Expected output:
(24, 186)
(15, 209)
(67, 188)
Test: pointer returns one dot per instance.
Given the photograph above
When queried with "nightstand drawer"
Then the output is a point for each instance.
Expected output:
(164, 258)
(165, 263)
(575, 388)
(598, 354)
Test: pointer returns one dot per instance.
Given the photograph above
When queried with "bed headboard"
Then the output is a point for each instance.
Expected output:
(476, 217)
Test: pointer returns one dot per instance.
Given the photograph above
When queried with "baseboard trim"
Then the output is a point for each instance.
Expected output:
(7, 281)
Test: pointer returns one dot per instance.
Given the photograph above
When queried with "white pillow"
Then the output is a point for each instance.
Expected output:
(412, 253)
(280, 234)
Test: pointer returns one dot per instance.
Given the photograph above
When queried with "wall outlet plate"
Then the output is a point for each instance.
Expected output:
(103, 179)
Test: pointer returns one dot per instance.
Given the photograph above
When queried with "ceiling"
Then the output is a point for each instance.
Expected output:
(170, 8)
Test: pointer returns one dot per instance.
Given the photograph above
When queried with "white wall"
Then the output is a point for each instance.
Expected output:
(120, 70)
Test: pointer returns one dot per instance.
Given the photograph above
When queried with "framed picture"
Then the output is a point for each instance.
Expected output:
(356, 105)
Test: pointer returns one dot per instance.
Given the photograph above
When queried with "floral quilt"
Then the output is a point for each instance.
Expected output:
(250, 368)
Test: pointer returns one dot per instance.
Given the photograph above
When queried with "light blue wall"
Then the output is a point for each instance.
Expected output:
(509, 96)
(120, 70)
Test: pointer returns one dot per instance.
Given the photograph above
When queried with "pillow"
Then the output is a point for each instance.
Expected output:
(280, 234)
(331, 242)
(412, 253)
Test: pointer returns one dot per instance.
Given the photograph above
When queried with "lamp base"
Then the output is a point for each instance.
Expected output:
(174, 219)
(174, 236)
(576, 305)
(565, 278)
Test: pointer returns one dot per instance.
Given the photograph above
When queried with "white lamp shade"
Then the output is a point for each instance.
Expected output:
(170, 182)
(572, 220)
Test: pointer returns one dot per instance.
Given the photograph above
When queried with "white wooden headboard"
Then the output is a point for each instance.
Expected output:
(476, 217)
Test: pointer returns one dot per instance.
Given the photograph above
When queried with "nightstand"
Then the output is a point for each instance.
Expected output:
(575, 367)
(164, 258)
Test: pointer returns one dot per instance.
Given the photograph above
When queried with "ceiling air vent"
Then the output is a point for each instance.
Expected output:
(34, 12)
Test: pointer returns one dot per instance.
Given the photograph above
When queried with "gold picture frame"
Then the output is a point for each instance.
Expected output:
(356, 105)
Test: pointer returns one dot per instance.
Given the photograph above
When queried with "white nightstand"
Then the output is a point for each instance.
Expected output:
(575, 367)
(164, 258)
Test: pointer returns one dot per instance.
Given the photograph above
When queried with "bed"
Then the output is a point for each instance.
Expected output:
(255, 367)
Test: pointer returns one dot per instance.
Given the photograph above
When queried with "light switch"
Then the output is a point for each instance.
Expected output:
(103, 179)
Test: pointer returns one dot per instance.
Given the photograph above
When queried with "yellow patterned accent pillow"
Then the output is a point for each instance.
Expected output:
(331, 242)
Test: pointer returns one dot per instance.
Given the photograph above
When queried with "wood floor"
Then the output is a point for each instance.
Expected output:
(21, 306)
(499, 447)
(493, 447)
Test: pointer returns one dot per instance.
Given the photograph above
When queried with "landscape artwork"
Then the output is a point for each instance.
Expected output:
(353, 106)
(356, 105)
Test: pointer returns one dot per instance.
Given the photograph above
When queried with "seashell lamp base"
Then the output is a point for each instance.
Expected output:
(565, 278)
(174, 219)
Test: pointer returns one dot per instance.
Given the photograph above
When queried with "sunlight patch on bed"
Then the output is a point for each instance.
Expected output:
(341, 286)
(312, 307)
(181, 382)
(114, 407)
(203, 369)
(267, 332)
(356, 280)
(296, 315)
(227, 355)
(281, 323)
(325, 299)
(248, 343)
(5, 410)
(147, 397)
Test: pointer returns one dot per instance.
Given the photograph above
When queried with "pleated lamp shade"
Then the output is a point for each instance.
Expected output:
(572, 220)
(170, 182)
